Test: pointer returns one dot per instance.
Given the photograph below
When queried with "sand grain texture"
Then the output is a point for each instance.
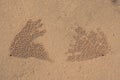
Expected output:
(59, 39)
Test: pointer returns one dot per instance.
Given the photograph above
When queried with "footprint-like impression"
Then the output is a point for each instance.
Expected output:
(88, 45)
(23, 45)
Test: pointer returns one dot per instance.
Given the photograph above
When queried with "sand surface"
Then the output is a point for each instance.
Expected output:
(59, 39)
